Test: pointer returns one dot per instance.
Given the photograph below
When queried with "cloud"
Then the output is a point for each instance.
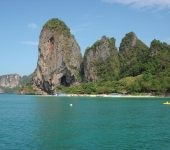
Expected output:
(159, 4)
(32, 25)
(29, 43)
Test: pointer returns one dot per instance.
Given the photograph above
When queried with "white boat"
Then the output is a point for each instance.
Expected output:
(60, 94)
(167, 103)
(114, 95)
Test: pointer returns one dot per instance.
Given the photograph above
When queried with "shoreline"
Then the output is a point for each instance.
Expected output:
(110, 96)
(115, 95)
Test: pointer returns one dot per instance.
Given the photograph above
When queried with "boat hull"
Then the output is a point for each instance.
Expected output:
(167, 103)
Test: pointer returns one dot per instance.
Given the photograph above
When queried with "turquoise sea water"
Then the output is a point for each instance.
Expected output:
(47, 122)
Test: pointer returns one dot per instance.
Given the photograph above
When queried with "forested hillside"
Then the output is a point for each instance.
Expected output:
(133, 69)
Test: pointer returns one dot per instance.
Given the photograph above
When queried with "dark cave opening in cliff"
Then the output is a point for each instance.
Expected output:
(64, 81)
(51, 40)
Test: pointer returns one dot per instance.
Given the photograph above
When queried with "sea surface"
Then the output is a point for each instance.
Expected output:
(48, 122)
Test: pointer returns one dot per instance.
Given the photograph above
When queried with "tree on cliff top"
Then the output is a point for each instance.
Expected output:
(57, 26)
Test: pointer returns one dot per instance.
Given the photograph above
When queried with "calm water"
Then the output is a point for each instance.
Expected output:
(37, 122)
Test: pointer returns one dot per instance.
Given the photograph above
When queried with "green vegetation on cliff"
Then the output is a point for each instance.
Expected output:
(57, 26)
(134, 69)
(27, 89)
(142, 84)
(8, 90)
(139, 70)
(23, 82)
(133, 56)
(104, 61)
(159, 58)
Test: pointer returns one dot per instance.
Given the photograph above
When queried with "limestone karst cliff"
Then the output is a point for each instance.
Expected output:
(101, 60)
(60, 63)
(133, 55)
(10, 81)
(159, 57)
(156, 46)
(59, 57)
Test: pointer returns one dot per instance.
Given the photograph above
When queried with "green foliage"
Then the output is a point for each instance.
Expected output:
(57, 26)
(79, 76)
(133, 55)
(105, 69)
(134, 69)
(14, 90)
(93, 47)
(159, 59)
(26, 79)
(27, 89)
(144, 83)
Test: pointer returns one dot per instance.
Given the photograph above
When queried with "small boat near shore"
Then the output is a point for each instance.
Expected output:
(60, 94)
(167, 103)
(114, 95)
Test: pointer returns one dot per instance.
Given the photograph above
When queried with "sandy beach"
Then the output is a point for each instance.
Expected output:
(109, 95)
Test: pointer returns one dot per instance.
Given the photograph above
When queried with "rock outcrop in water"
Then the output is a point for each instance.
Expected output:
(59, 57)
(10, 81)
(60, 61)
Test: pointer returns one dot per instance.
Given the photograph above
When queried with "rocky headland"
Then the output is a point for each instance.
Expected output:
(10, 81)
(128, 69)
(133, 68)
(101, 54)
(59, 58)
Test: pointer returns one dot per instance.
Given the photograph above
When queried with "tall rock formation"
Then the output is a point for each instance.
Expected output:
(159, 60)
(157, 46)
(133, 55)
(101, 60)
(10, 81)
(59, 57)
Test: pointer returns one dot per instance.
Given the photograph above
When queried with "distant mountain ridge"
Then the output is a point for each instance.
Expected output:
(11, 83)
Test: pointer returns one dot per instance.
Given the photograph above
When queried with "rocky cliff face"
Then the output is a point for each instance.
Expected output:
(10, 81)
(133, 55)
(156, 46)
(97, 59)
(59, 57)
(128, 43)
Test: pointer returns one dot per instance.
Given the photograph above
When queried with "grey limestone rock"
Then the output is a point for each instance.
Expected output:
(100, 51)
(59, 57)
(10, 81)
